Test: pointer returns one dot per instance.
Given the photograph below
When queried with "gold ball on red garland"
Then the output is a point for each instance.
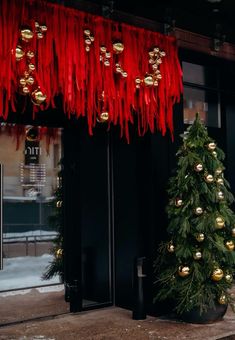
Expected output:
(151, 54)
(30, 54)
(31, 67)
(155, 83)
(137, 80)
(219, 222)
(229, 245)
(30, 80)
(43, 28)
(39, 35)
(198, 211)
(217, 274)
(171, 247)
(197, 255)
(218, 171)
(209, 178)
(233, 232)
(162, 53)
(103, 117)
(87, 32)
(22, 81)
(87, 48)
(148, 80)
(222, 300)
(92, 39)
(200, 237)
(26, 34)
(183, 271)
(19, 53)
(118, 47)
(103, 49)
(38, 97)
(36, 24)
(228, 278)
(198, 167)
(124, 74)
(25, 90)
(118, 69)
(156, 50)
(178, 202)
(211, 146)
(88, 41)
(220, 181)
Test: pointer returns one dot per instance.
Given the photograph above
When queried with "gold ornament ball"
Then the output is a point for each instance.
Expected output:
(19, 53)
(233, 232)
(148, 80)
(197, 255)
(219, 222)
(183, 271)
(220, 195)
(39, 35)
(218, 171)
(171, 247)
(43, 28)
(229, 278)
(214, 153)
(137, 80)
(198, 167)
(22, 81)
(220, 181)
(25, 90)
(198, 211)
(30, 54)
(38, 97)
(30, 80)
(87, 32)
(31, 67)
(211, 146)
(118, 47)
(26, 34)
(209, 178)
(103, 117)
(58, 204)
(229, 245)
(178, 202)
(59, 253)
(222, 300)
(217, 274)
(200, 237)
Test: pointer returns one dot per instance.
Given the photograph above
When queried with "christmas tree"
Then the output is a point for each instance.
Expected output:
(194, 268)
(56, 267)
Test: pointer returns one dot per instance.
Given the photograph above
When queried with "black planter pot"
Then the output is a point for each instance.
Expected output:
(211, 315)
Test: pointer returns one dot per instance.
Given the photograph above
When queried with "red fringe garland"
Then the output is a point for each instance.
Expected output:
(86, 85)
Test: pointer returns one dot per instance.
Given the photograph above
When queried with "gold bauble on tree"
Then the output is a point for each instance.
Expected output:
(220, 195)
(197, 255)
(200, 237)
(59, 253)
(209, 178)
(229, 278)
(183, 271)
(219, 222)
(198, 211)
(198, 167)
(178, 202)
(211, 146)
(103, 117)
(171, 247)
(229, 245)
(218, 171)
(214, 153)
(222, 300)
(58, 204)
(233, 232)
(217, 274)
(220, 181)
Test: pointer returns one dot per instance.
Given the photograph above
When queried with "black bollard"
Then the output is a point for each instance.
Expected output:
(139, 276)
(74, 297)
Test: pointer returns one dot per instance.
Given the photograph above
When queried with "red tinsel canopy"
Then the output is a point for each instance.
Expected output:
(76, 59)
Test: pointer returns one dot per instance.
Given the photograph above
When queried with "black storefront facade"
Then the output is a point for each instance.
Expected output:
(115, 193)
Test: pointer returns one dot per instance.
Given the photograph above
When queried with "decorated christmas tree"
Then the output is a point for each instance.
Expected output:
(56, 266)
(194, 268)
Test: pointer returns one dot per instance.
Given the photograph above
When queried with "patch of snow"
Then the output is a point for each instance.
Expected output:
(57, 288)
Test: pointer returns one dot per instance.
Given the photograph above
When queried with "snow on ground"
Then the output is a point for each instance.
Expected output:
(31, 235)
(23, 272)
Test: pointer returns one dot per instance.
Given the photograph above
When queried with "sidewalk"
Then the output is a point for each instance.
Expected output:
(116, 323)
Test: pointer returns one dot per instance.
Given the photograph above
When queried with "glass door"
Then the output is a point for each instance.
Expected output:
(30, 159)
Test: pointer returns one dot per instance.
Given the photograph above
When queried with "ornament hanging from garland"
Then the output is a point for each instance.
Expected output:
(198, 167)
(233, 232)
(209, 178)
(197, 255)
(200, 237)
(222, 300)
(219, 222)
(228, 278)
(229, 245)
(211, 146)
(198, 211)
(171, 247)
(25, 54)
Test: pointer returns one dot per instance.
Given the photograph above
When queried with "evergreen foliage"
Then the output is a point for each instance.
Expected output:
(56, 267)
(194, 268)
